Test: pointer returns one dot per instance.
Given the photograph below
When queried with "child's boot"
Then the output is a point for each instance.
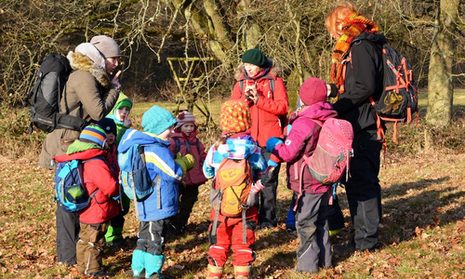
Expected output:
(153, 265)
(138, 263)
(242, 272)
(214, 272)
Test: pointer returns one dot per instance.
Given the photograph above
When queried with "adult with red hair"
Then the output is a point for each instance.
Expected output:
(357, 73)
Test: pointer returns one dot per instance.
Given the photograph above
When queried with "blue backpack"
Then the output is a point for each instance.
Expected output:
(134, 176)
(70, 191)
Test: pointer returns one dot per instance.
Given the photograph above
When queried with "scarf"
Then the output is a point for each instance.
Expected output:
(353, 25)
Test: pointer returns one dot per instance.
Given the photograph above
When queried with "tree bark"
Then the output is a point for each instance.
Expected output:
(440, 86)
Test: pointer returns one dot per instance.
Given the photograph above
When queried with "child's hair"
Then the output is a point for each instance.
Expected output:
(234, 118)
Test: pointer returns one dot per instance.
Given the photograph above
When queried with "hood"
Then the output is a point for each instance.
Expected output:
(240, 147)
(133, 136)
(79, 61)
(318, 111)
(273, 71)
(83, 155)
(377, 38)
(123, 101)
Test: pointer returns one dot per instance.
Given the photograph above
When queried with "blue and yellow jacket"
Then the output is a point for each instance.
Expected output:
(163, 202)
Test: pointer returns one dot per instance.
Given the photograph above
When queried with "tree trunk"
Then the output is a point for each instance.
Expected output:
(440, 87)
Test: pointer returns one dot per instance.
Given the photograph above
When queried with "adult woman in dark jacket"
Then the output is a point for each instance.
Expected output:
(357, 71)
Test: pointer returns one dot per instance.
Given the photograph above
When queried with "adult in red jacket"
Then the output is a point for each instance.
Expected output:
(259, 85)
(100, 183)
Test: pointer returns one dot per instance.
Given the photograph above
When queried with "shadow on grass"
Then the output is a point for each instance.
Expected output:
(404, 215)
(279, 261)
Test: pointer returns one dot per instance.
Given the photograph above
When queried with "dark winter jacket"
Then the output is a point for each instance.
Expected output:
(364, 78)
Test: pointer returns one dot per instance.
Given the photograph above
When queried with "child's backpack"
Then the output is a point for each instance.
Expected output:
(70, 191)
(134, 176)
(46, 94)
(333, 151)
(233, 181)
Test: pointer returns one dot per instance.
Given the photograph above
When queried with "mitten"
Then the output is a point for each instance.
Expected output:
(186, 162)
(257, 187)
(272, 142)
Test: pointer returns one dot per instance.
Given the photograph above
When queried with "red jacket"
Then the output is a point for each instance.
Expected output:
(271, 108)
(97, 177)
(179, 142)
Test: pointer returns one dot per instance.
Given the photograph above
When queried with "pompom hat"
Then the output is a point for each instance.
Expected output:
(184, 117)
(93, 133)
(256, 57)
(312, 91)
(108, 125)
(157, 119)
(234, 117)
(106, 45)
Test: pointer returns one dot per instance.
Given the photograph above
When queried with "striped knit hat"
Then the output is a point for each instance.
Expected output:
(234, 117)
(183, 118)
(93, 133)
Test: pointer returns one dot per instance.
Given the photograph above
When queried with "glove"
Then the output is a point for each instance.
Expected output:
(257, 187)
(272, 142)
(186, 162)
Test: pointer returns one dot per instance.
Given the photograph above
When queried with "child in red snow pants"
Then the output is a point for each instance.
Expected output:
(229, 235)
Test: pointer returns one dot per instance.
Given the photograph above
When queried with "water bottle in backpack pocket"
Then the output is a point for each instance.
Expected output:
(70, 191)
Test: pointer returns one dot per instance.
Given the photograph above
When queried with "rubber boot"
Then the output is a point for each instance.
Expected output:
(113, 235)
(214, 272)
(138, 263)
(242, 272)
(153, 264)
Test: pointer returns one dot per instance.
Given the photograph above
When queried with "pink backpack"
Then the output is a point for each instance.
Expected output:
(333, 151)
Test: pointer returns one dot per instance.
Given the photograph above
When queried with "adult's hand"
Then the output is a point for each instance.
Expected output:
(115, 81)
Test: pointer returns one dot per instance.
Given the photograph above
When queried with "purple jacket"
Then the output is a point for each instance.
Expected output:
(302, 139)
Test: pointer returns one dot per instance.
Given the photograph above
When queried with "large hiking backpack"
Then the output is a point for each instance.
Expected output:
(46, 95)
(70, 191)
(333, 151)
(134, 176)
(399, 99)
(233, 181)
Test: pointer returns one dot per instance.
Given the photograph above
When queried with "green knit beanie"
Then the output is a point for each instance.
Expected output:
(256, 57)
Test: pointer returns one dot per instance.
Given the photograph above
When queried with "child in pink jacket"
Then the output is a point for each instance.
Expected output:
(312, 197)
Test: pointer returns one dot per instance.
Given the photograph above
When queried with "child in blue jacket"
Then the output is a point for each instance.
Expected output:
(162, 204)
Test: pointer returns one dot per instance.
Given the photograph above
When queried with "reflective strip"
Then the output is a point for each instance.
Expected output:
(153, 158)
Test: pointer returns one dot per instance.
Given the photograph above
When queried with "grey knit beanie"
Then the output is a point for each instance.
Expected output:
(106, 45)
